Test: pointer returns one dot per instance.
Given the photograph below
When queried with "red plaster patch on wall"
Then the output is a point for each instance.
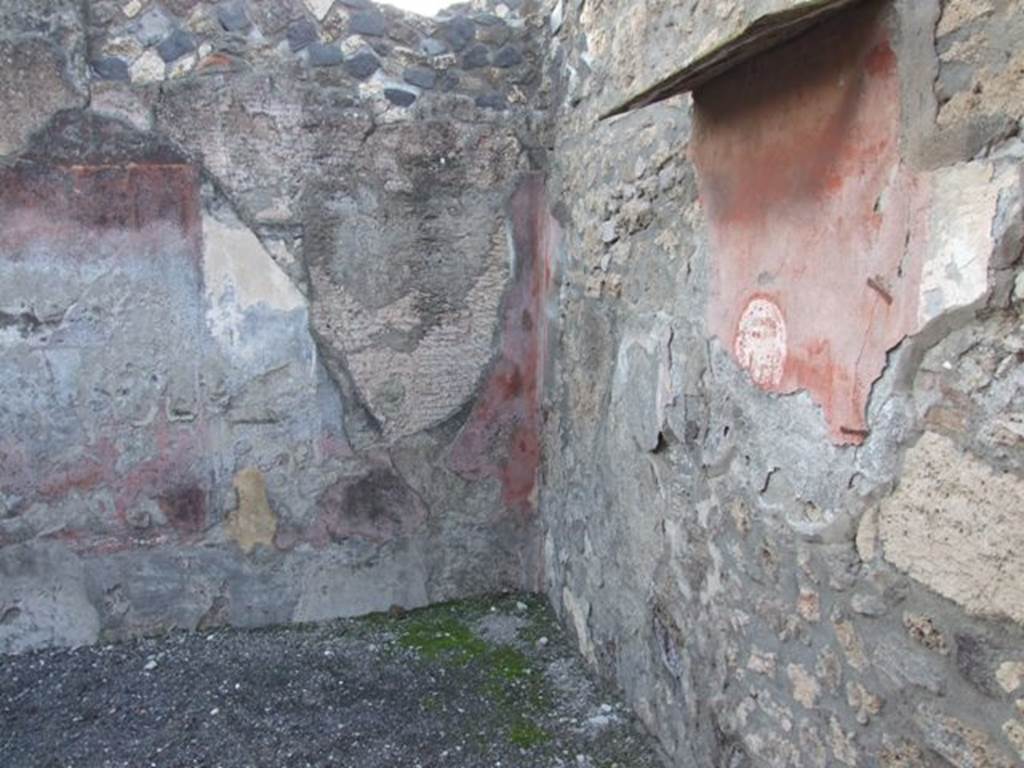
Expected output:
(810, 212)
(172, 475)
(378, 507)
(502, 437)
(64, 202)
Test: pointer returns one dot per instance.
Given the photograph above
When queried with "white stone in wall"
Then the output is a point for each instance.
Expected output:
(182, 66)
(127, 48)
(319, 8)
(148, 68)
(957, 526)
(352, 45)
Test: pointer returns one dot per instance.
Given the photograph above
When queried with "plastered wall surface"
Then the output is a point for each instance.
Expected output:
(702, 317)
(782, 488)
(273, 282)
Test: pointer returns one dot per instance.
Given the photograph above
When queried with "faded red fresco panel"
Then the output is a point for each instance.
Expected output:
(809, 211)
(62, 202)
(69, 212)
(502, 437)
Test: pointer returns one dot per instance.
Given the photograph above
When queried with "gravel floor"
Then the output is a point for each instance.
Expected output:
(477, 683)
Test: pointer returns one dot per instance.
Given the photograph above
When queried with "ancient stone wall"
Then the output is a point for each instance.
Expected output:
(783, 497)
(704, 317)
(272, 304)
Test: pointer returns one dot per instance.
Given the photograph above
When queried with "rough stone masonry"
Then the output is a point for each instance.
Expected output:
(704, 318)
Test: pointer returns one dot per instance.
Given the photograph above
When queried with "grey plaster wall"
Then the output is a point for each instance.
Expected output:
(260, 266)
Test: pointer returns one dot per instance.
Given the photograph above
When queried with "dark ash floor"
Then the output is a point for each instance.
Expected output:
(471, 684)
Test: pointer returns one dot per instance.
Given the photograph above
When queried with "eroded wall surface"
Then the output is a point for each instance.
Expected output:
(309, 308)
(783, 490)
(273, 299)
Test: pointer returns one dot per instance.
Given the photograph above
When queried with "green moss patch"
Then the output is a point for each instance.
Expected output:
(441, 637)
(504, 675)
(526, 734)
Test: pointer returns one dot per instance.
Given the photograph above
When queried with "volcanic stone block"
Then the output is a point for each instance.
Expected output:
(321, 55)
(112, 68)
(399, 96)
(371, 23)
(153, 26)
(176, 45)
(476, 57)
(233, 17)
(458, 33)
(421, 77)
(509, 56)
(301, 33)
(362, 65)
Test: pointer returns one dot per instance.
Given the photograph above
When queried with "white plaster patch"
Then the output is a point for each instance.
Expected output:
(235, 261)
(760, 344)
(957, 526)
(954, 273)
(239, 274)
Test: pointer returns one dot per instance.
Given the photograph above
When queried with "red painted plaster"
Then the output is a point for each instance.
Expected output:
(60, 203)
(810, 211)
(502, 437)
(62, 209)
